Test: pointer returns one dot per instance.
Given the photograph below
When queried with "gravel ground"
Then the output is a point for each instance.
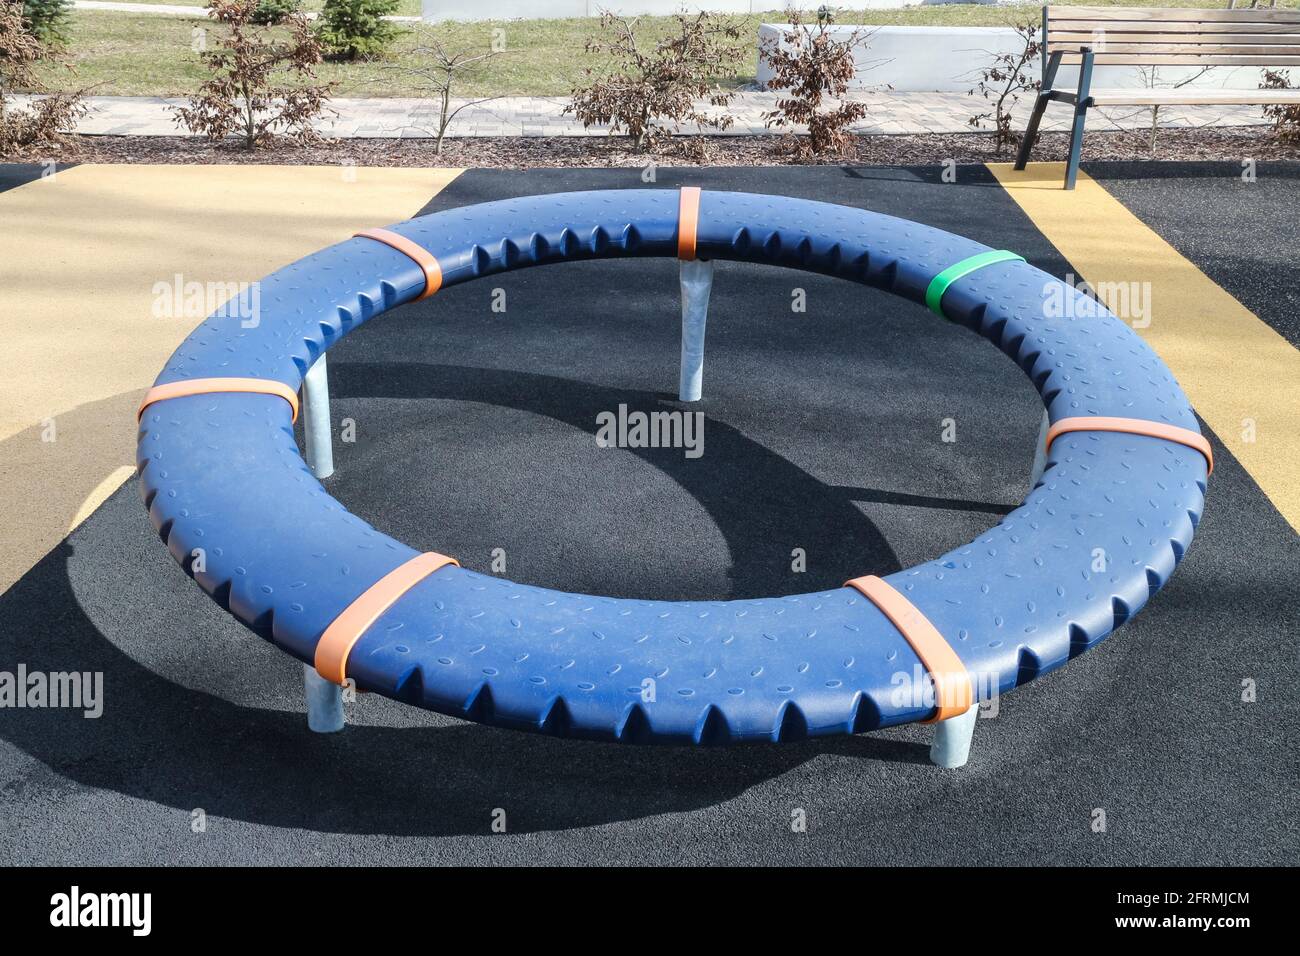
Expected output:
(1223, 143)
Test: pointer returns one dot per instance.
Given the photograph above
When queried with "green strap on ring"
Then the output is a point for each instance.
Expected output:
(939, 284)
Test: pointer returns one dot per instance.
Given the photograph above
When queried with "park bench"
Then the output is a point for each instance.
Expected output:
(1149, 37)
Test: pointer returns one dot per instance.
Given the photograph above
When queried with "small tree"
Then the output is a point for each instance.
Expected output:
(1151, 79)
(356, 29)
(271, 12)
(1007, 77)
(644, 85)
(241, 97)
(45, 120)
(48, 20)
(1286, 119)
(813, 66)
(435, 71)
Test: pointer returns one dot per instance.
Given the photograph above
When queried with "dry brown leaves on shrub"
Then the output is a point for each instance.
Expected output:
(46, 121)
(243, 96)
(641, 88)
(1009, 75)
(1286, 119)
(812, 67)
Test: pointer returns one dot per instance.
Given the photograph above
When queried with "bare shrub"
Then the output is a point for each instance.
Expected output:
(815, 69)
(1151, 80)
(646, 84)
(44, 121)
(1286, 118)
(436, 70)
(261, 86)
(1003, 81)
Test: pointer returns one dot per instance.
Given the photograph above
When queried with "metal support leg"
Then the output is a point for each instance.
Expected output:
(952, 737)
(697, 282)
(1031, 131)
(1081, 104)
(316, 419)
(324, 702)
(324, 698)
(1040, 105)
(1040, 451)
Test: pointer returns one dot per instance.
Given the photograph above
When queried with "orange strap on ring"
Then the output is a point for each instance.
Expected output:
(688, 221)
(341, 636)
(421, 256)
(952, 686)
(206, 386)
(1134, 426)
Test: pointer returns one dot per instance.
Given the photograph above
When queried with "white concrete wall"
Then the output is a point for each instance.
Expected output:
(562, 9)
(927, 59)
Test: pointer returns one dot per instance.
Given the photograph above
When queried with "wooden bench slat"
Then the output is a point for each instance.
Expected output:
(1209, 29)
(1198, 50)
(1146, 59)
(1182, 97)
(1175, 14)
(1193, 39)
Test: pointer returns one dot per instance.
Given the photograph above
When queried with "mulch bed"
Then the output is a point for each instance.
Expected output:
(512, 152)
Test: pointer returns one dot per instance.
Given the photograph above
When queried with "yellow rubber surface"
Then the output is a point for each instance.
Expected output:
(1240, 375)
(84, 257)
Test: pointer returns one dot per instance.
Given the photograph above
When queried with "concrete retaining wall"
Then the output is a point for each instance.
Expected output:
(563, 9)
(923, 59)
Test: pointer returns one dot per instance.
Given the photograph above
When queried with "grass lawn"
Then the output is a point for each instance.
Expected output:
(130, 54)
(405, 8)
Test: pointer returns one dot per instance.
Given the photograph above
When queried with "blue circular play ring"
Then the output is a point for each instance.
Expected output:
(221, 473)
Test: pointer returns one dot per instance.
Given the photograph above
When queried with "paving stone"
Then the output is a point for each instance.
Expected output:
(377, 117)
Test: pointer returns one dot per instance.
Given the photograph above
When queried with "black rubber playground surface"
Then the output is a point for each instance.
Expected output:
(474, 431)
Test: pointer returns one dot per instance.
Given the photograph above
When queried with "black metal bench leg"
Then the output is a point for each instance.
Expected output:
(1080, 114)
(1031, 131)
(1076, 147)
(1040, 105)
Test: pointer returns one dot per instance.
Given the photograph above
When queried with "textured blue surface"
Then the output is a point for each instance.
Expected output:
(222, 472)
